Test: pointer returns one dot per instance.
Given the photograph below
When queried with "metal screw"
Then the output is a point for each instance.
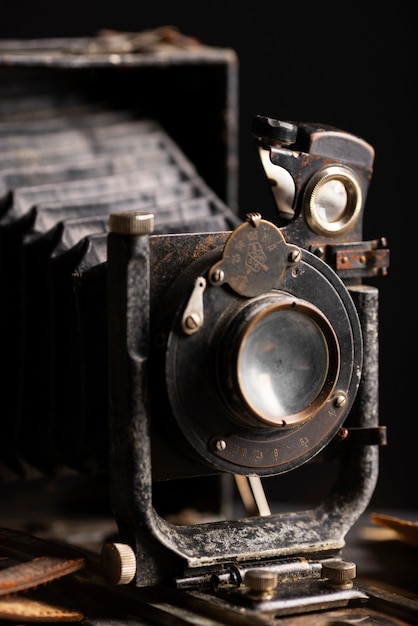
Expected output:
(340, 399)
(192, 321)
(253, 218)
(319, 252)
(217, 276)
(261, 583)
(340, 574)
(342, 433)
(295, 256)
(219, 444)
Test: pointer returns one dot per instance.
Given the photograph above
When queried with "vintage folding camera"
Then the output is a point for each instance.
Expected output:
(179, 349)
(250, 353)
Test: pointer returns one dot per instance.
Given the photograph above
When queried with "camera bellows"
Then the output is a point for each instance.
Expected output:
(65, 167)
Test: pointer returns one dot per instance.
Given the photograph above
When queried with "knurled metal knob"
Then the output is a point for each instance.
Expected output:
(131, 223)
(118, 563)
(339, 574)
(261, 582)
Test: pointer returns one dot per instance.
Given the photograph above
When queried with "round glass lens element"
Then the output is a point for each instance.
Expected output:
(332, 200)
(283, 365)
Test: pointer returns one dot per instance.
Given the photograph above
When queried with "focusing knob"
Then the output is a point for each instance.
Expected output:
(131, 223)
(339, 574)
(271, 131)
(118, 563)
(261, 583)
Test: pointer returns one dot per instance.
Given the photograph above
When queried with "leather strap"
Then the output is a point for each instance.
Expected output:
(17, 608)
(27, 562)
(39, 571)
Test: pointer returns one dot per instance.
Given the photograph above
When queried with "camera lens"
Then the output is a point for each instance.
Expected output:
(282, 365)
(279, 360)
(266, 380)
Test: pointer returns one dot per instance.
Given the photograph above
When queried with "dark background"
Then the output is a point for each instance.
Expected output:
(338, 66)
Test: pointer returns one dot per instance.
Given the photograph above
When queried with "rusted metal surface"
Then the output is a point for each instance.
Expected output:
(367, 259)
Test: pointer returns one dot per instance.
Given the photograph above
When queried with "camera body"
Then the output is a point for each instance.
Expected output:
(250, 352)
(173, 347)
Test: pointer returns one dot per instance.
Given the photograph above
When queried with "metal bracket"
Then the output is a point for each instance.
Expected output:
(360, 259)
